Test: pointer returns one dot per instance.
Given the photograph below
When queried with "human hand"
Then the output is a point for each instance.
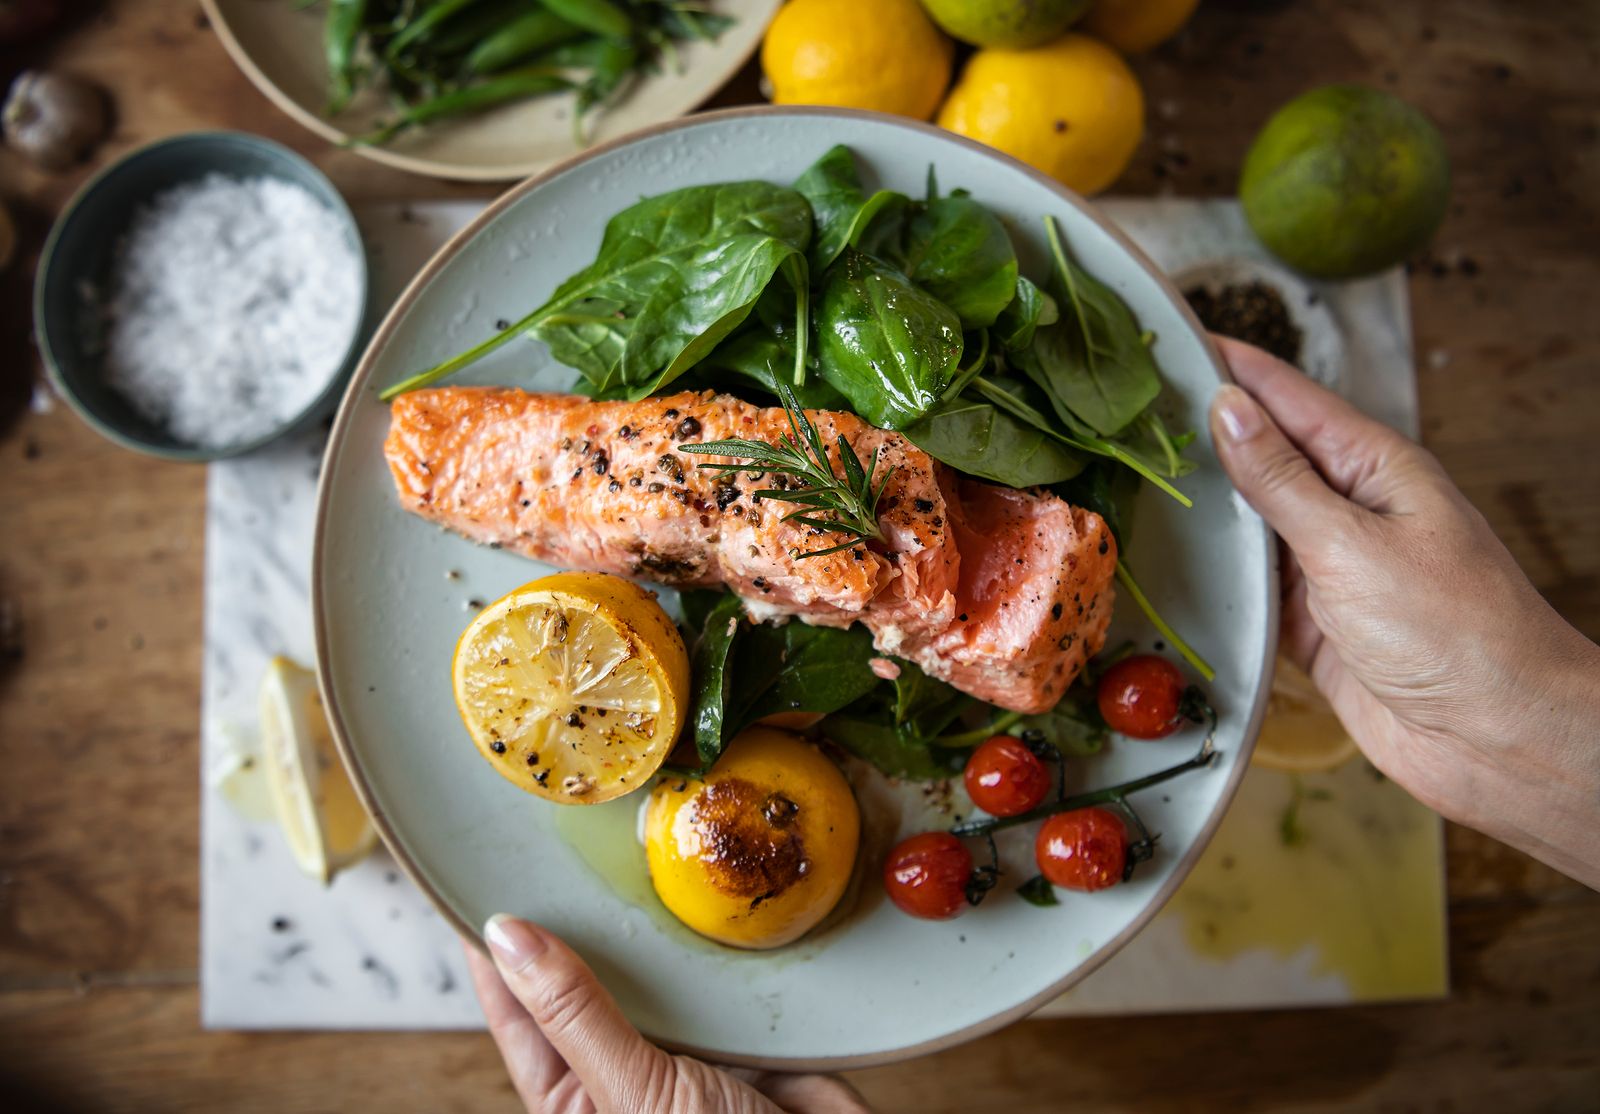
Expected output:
(1443, 662)
(570, 1051)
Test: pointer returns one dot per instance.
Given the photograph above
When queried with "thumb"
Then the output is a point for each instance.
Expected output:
(1274, 477)
(618, 1068)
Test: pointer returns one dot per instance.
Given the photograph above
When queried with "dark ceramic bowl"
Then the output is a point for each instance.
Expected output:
(77, 258)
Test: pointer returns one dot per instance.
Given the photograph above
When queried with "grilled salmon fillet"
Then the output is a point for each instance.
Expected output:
(1002, 593)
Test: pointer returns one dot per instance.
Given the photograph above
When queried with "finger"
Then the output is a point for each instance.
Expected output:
(534, 1066)
(810, 1092)
(1273, 475)
(618, 1067)
(1299, 637)
(1360, 458)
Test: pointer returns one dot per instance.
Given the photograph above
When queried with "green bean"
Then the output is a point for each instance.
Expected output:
(614, 66)
(512, 86)
(420, 27)
(462, 34)
(600, 16)
(527, 34)
(339, 32)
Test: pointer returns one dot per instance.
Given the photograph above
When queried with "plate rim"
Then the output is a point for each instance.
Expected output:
(426, 167)
(355, 388)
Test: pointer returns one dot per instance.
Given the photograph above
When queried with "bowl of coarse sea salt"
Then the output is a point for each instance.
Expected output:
(203, 296)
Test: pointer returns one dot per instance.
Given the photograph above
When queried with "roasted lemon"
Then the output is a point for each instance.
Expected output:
(760, 850)
(573, 686)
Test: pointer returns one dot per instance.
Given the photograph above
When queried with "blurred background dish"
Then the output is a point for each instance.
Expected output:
(280, 47)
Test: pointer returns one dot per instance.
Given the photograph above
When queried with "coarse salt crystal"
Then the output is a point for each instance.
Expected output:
(232, 303)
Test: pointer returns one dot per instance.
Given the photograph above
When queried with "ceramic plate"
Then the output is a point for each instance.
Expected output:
(278, 44)
(392, 593)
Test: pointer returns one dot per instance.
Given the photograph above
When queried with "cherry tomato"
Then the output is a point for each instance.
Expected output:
(1005, 778)
(1141, 697)
(1086, 849)
(927, 875)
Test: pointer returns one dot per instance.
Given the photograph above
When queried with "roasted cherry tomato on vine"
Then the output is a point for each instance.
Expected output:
(1142, 697)
(927, 875)
(1086, 849)
(1005, 778)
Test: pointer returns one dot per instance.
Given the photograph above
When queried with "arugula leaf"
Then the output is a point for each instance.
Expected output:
(887, 346)
(975, 437)
(896, 753)
(955, 249)
(1093, 363)
(1038, 891)
(712, 678)
(1027, 311)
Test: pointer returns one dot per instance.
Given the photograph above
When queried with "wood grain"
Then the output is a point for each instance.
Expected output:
(101, 555)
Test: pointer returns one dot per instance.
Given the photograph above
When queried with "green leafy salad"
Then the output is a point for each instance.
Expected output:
(912, 313)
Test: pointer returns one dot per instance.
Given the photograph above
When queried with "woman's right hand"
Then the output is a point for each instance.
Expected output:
(1444, 663)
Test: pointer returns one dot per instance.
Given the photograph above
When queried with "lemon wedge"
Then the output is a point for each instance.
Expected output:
(1301, 734)
(316, 805)
(573, 686)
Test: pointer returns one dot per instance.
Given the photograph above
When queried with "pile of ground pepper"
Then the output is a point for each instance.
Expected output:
(1252, 312)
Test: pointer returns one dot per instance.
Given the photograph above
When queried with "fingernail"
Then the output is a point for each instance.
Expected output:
(515, 943)
(1237, 413)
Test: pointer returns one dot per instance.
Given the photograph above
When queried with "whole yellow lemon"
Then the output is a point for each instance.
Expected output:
(1072, 108)
(759, 850)
(1135, 26)
(884, 55)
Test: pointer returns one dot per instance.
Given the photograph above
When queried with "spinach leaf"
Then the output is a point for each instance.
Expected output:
(800, 668)
(1018, 400)
(1038, 891)
(1093, 363)
(956, 250)
(742, 671)
(887, 346)
(924, 705)
(1030, 309)
(832, 186)
(1073, 726)
(766, 357)
(675, 274)
(712, 676)
(975, 437)
(896, 753)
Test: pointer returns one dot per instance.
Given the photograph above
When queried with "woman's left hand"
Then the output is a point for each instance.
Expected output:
(570, 1051)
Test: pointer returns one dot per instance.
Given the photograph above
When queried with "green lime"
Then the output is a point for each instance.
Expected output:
(1012, 24)
(1344, 181)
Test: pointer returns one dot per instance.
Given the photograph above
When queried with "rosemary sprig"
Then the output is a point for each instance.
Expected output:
(850, 501)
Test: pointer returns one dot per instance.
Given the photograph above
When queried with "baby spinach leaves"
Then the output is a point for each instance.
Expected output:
(956, 250)
(975, 437)
(1028, 309)
(744, 671)
(675, 274)
(1093, 362)
(886, 345)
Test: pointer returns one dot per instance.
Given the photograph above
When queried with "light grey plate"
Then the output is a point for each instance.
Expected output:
(880, 985)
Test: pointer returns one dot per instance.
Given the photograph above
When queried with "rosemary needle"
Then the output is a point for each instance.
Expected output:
(850, 501)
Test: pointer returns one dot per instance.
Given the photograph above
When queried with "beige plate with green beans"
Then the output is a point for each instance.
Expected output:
(531, 65)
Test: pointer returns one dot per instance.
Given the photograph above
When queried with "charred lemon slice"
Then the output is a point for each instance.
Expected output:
(1301, 735)
(760, 849)
(573, 686)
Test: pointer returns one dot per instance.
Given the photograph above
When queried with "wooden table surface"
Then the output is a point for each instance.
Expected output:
(100, 559)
